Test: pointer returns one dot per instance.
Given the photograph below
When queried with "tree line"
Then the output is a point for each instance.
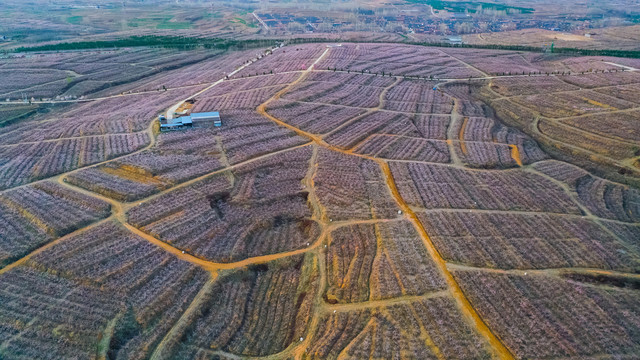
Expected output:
(190, 43)
(571, 51)
(174, 42)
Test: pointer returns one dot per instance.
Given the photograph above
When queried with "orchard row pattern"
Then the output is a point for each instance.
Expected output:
(345, 209)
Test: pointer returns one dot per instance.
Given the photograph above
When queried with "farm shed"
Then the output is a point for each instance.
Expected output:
(195, 120)
(175, 124)
(205, 119)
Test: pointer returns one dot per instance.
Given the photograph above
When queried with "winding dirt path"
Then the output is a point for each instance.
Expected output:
(515, 154)
(593, 272)
(369, 111)
(451, 133)
(50, 244)
(468, 310)
(162, 351)
(463, 127)
(354, 306)
(298, 349)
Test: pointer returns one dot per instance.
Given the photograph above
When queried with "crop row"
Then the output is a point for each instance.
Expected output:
(609, 200)
(314, 118)
(485, 155)
(263, 211)
(371, 262)
(148, 172)
(487, 144)
(397, 60)
(440, 186)
(376, 52)
(37, 92)
(245, 134)
(118, 184)
(593, 80)
(618, 125)
(405, 148)
(494, 62)
(530, 85)
(251, 83)
(346, 94)
(255, 311)
(380, 122)
(591, 63)
(540, 316)
(603, 198)
(294, 58)
(100, 117)
(172, 167)
(397, 331)
(572, 104)
(168, 71)
(629, 93)
(350, 187)
(109, 74)
(591, 142)
(417, 97)
(201, 141)
(48, 317)
(89, 125)
(353, 78)
(57, 209)
(190, 70)
(249, 99)
(18, 235)
(41, 160)
(181, 156)
(512, 113)
(250, 135)
(154, 287)
(432, 126)
(524, 241)
(475, 129)
(13, 80)
(528, 149)
(628, 234)
(36, 214)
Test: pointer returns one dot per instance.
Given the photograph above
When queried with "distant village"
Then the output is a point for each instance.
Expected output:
(408, 22)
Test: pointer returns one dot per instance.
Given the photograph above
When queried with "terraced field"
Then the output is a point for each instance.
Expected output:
(364, 201)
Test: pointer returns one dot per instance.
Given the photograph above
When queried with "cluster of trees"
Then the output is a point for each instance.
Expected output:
(571, 51)
(176, 42)
(188, 43)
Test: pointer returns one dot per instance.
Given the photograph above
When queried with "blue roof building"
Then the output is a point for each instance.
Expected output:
(195, 120)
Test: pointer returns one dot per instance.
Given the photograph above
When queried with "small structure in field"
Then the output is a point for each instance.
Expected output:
(455, 40)
(195, 120)
(206, 119)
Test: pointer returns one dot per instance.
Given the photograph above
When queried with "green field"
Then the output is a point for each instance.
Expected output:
(159, 22)
(243, 22)
(74, 19)
(471, 6)
(175, 25)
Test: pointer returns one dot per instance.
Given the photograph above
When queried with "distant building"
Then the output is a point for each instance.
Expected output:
(457, 40)
(195, 120)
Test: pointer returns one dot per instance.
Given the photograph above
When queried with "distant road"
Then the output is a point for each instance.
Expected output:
(622, 66)
(260, 21)
(175, 107)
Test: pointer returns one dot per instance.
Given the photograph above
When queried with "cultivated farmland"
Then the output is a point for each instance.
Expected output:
(379, 201)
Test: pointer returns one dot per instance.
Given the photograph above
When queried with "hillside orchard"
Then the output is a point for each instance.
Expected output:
(359, 200)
